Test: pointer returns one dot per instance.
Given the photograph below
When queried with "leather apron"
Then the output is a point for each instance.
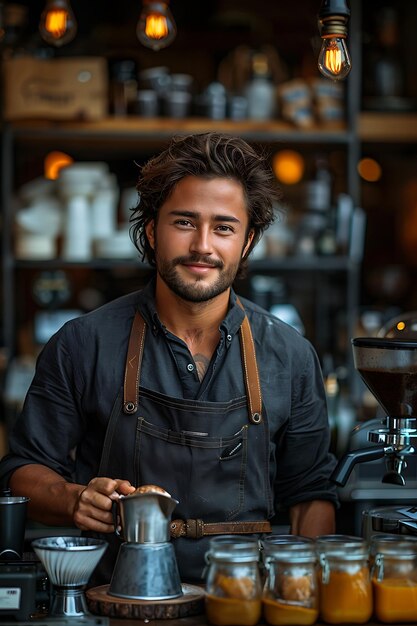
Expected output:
(213, 457)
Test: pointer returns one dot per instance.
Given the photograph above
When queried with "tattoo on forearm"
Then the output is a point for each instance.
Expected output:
(202, 363)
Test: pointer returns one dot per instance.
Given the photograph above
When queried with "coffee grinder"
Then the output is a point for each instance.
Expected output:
(388, 367)
(146, 567)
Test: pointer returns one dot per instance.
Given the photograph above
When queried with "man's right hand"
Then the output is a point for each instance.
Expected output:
(56, 502)
(93, 508)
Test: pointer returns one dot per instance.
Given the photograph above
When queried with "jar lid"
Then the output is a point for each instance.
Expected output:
(234, 549)
(342, 546)
(394, 546)
(288, 547)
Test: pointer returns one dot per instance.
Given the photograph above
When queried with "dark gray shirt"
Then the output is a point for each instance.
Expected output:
(80, 373)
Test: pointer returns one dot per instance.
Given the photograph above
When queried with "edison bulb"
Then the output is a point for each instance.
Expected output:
(156, 28)
(58, 25)
(334, 60)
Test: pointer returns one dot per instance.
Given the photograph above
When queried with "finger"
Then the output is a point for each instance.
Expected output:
(88, 516)
(94, 499)
(103, 485)
(89, 523)
(124, 487)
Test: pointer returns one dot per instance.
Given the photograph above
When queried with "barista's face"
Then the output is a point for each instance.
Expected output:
(200, 237)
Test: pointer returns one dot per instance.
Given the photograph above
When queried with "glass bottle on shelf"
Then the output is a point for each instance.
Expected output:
(260, 90)
(123, 87)
(384, 79)
(233, 585)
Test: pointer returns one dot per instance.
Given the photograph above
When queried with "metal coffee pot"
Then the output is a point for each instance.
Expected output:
(146, 567)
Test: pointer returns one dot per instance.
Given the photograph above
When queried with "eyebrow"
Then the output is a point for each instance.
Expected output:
(196, 215)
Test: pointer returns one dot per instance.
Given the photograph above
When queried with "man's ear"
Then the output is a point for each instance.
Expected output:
(150, 233)
(249, 240)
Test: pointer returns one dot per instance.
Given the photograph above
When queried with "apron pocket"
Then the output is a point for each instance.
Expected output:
(187, 463)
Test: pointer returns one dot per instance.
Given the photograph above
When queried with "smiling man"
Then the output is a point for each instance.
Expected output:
(182, 385)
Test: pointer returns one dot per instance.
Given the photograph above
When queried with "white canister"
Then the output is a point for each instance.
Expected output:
(77, 232)
(104, 213)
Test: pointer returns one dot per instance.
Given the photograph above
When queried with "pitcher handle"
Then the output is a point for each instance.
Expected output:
(114, 509)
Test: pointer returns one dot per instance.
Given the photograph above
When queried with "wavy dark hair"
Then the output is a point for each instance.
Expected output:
(205, 155)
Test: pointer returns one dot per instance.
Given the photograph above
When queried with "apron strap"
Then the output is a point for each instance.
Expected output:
(133, 364)
(134, 361)
(250, 370)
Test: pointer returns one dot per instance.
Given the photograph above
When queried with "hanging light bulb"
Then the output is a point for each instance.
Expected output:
(334, 60)
(57, 24)
(156, 27)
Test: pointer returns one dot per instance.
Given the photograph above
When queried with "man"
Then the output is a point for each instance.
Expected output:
(182, 385)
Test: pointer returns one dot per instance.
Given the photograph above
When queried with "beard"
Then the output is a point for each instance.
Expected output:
(194, 290)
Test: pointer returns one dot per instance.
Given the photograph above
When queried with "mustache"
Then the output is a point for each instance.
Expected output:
(197, 258)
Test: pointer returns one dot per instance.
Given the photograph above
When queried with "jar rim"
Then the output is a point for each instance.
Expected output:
(234, 549)
(289, 547)
(339, 544)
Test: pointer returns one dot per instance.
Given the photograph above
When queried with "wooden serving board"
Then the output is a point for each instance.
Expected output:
(100, 602)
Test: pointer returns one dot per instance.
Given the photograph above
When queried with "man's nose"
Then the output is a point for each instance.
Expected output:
(202, 241)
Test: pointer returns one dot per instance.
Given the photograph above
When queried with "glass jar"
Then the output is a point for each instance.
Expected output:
(233, 585)
(123, 87)
(290, 594)
(394, 578)
(344, 580)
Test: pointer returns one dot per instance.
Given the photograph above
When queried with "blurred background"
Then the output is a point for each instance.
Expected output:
(83, 106)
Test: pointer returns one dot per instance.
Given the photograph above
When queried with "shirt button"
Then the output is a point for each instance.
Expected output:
(190, 367)
(229, 337)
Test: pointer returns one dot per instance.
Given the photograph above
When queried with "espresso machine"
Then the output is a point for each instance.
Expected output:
(388, 367)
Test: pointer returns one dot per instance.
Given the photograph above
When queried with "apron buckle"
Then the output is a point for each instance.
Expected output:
(191, 528)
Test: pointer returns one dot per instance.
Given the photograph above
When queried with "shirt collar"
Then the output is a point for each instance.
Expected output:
(146, 305)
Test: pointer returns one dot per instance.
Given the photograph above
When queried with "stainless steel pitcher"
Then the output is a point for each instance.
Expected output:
(145, 517)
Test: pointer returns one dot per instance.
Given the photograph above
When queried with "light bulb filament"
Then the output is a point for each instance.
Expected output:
(56, 22)
(333, 60)
(156, 26)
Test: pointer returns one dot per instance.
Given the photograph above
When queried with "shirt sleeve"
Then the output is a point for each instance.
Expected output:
(304, 463)
(51, 423)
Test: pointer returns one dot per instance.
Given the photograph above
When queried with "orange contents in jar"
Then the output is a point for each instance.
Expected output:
(228, 611)
(346, 598)
(395, 600)
(280, 614)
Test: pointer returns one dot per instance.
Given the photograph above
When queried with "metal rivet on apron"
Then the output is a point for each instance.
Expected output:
(229, 337)
(190, 367)
(256, 418)
(130, 407)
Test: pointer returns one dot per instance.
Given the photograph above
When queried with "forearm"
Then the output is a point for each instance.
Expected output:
(314, 518)
(52, 498)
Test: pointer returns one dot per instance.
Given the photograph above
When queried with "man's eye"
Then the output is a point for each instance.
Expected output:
(224, 228)
(183, 223)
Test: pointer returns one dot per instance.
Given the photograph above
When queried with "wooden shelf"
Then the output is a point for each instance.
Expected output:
(159, 129)
(387, 127)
